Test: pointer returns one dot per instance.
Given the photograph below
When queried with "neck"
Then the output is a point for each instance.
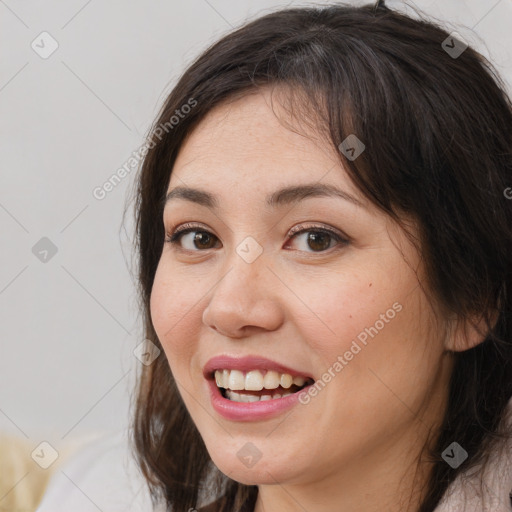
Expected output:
(357, 488)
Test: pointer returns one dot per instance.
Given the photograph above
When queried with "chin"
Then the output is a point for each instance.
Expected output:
(250, 467)
(257, 475)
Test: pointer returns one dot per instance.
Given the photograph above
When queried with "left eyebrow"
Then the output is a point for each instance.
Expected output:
(281, 197)
(298, 193)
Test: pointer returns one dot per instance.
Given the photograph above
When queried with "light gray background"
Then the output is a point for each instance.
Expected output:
(68, 327)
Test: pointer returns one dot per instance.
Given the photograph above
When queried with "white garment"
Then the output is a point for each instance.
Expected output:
(464, 494)
(104, 477)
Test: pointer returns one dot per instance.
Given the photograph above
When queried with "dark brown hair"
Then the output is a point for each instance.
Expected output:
(438, 137)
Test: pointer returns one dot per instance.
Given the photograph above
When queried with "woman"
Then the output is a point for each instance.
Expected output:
(324, 241)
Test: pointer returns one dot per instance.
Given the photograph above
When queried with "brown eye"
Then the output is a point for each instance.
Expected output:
(319, 241)
(203, 240)
(316, 239)
(193, 239)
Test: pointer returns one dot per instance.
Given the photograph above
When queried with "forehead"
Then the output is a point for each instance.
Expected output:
(252, 145)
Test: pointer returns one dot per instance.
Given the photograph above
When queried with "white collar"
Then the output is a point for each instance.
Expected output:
(465, 494)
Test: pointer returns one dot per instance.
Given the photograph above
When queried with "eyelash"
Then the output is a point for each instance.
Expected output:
(175, 236)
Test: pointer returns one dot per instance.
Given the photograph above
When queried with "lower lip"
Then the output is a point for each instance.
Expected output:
(249, 411)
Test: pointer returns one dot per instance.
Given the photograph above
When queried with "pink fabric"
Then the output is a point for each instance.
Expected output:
(466, 494)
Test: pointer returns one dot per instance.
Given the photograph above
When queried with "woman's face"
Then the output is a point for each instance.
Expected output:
(276, 285)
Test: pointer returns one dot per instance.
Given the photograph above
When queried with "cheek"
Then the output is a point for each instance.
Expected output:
(174, 316)
(330, 311)
(369, 319)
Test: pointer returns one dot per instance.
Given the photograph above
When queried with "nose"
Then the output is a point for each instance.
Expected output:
(245, 300)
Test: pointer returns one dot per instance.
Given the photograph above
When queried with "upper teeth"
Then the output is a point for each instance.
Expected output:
(254, 380)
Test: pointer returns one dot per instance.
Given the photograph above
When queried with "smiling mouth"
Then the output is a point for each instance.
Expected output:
(258, 385)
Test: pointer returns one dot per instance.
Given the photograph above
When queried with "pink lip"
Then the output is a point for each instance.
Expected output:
(252, 411)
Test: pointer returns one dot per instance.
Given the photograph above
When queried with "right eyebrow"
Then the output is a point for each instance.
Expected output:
(194, 195)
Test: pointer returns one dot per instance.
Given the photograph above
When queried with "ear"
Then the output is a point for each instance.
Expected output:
(465, 334)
